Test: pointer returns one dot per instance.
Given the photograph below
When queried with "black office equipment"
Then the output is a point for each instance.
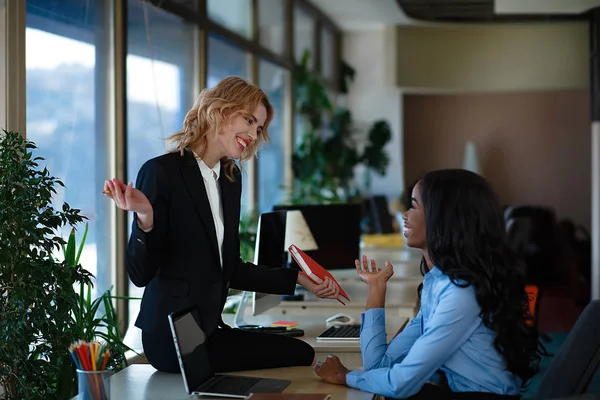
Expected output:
(341, 332)
(380, 217)
(577, 361)
(336, 230)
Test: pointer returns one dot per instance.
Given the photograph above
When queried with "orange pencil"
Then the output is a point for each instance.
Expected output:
(93, 355)
(104, 360)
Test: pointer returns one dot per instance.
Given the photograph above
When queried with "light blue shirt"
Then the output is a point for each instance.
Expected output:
(447, 334)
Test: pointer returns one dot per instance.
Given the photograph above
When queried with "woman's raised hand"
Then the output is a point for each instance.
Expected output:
(128, 198)
(370, 274)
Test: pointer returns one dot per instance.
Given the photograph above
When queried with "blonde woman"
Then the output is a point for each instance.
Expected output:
(184, 246)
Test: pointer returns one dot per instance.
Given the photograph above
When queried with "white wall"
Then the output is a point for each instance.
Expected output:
(374, 95)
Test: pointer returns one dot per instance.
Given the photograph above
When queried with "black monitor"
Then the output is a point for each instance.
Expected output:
(270, 240)
(381, 218)
(269, 251)
(336, 229)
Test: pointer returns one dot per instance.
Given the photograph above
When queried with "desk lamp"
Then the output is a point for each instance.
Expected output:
(297, 233)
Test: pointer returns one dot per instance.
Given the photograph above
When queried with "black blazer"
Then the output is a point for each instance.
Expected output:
(178, 260)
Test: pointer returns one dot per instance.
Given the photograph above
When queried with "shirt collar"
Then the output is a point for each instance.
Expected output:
(208, 172)
(434, 272)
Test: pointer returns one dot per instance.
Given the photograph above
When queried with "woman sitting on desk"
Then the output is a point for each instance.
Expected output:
(184, 245)
(473, 322)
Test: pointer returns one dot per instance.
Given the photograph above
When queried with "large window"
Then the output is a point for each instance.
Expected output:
(74, 66)
(272, 30)
(328, 54)
(67, 114)
(225, 59)
(160, 89)
(272, 159)
(233, 14)
(304, 36)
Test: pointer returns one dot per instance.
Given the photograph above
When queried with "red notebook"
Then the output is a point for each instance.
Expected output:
(314, 271)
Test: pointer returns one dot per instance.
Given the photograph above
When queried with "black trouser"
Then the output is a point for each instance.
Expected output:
(431, 392)
(233, 350)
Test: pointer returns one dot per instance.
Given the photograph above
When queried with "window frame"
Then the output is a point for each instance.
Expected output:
(12, 114)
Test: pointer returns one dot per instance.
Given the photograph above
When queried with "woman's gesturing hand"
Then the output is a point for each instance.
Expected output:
(370, 274)
(128, 198)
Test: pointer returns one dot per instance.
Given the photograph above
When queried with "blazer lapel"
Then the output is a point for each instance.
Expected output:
(230, 200)
(195, 186)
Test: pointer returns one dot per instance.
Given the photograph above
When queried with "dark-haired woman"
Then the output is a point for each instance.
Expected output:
(471, 338)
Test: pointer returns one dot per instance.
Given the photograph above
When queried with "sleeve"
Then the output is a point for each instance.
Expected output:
(454, 320)
(145, 248)
(376, 353)
(258, 278)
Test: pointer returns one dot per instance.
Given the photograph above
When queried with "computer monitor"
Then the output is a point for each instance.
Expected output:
(379, 212)
(270, 239)
(336, 229)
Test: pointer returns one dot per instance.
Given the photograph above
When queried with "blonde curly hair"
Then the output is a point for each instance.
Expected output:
(213, 109)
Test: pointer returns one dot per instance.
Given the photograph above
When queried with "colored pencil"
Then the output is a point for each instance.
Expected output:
(91, 357)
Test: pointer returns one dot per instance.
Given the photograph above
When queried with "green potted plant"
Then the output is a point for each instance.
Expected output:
(36, 291)
(91, 320)
(41, 314)
(329, 150)
(248, 225)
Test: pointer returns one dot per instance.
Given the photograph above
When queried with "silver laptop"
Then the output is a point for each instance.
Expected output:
(197, 373)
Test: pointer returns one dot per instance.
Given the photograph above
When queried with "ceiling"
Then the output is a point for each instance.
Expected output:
(544, 6)
(485, 10)
(372, 14)
(362, 14)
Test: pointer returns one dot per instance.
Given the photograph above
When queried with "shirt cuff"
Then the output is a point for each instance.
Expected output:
(373, 317)
(352, 377)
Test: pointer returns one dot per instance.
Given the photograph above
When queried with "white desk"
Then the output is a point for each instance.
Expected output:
(404, 271)
(406, 261)
(143, 382)
(347, 351)
(401, 301)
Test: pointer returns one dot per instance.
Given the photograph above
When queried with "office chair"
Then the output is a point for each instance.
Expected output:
(534, 234)
(576, 362)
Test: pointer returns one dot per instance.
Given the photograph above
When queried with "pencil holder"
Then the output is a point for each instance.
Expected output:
(93, 385)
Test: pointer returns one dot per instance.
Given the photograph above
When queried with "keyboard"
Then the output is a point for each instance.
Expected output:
(341, 332)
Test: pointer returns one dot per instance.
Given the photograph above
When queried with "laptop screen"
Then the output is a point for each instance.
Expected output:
(192, 351)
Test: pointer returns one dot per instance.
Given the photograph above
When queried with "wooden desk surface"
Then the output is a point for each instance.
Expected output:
(142, 381)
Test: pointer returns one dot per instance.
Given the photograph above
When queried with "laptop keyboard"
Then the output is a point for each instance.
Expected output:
(231, 384)
(341, 332)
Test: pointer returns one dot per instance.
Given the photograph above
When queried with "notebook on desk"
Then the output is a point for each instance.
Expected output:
(198, 375)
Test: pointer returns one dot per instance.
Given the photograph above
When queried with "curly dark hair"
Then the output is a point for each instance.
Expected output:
(466, 240)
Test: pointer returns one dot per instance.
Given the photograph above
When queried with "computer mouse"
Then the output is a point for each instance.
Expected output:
(339, 319)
